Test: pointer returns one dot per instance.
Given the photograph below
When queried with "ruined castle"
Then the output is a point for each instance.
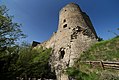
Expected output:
(75, 35)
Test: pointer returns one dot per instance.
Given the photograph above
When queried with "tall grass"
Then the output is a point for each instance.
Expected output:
(104, 50)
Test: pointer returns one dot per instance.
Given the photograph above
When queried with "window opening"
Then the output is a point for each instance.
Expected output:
(79, 29)
(64, 20)
(62, 53)
(65, 26)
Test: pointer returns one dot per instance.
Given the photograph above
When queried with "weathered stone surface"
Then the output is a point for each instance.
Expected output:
(75, 34)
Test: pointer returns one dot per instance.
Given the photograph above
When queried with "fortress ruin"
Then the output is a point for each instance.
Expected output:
(75, 35)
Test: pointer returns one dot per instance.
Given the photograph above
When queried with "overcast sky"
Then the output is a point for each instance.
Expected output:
(39, 18)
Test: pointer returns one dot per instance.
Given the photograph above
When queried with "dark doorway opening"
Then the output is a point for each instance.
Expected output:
(62, 53)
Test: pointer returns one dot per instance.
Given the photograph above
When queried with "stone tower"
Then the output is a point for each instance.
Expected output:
(75, 35)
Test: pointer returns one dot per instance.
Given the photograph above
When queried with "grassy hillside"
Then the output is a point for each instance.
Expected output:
(107, 50)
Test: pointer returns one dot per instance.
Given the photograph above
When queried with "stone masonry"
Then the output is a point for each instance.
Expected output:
(75, 35)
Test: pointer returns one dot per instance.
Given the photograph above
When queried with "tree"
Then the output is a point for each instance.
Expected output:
(100, 39)
(10, 31)
(34, 63)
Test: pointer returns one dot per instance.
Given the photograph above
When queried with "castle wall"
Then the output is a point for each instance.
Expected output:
(75, 34)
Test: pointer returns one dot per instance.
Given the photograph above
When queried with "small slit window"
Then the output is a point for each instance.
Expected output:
(64, 26)
(64, 20)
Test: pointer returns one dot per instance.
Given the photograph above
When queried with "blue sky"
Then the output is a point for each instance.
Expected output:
(39, 18)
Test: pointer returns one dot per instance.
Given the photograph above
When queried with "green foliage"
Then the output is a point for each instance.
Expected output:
(7, 63)
(86, 72)
(34, 63)
(103, 50)
(75, 73)
(71, 71)
(10, 31)
(78, 74)
(26, 62)
(20, 61)
(100, 39)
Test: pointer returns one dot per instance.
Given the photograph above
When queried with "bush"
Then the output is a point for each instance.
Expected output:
(34, 63)
(26, 62)
(77, 74)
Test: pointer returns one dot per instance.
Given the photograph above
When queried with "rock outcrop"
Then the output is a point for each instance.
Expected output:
(75, 34)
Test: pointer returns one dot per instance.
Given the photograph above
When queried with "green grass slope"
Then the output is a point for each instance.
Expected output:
(107, 50)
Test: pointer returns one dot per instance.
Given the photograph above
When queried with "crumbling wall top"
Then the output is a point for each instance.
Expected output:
(70, 7)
